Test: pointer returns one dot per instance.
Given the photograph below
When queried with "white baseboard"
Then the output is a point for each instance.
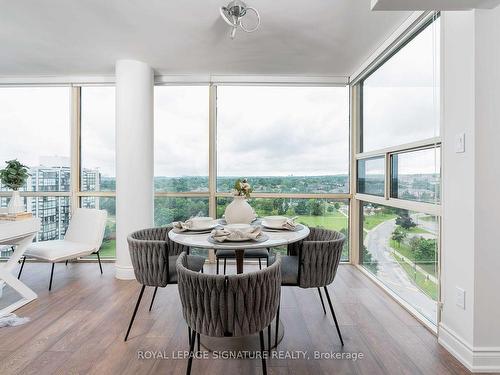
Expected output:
(124, 273)
(476, 359)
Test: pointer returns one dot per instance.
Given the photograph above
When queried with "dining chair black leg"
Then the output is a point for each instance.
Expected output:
(269, 337)
(51, 276)
(67, 263)
(99, 260)
(199, 344)
(191, 354)
(277, 327)
(267, 261)
(217, 266)
(225, 266)
(321, 298)
(135, 311)
(21, 270)
(260, 264)
(189, 336)
(333, 314)
(153, 299)
(262, 350)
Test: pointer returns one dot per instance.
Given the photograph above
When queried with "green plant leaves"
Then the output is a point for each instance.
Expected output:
(14, 175)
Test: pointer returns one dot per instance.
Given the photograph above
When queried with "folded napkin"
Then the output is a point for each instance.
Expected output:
(221, 235)
(289, 224)
(181, 226)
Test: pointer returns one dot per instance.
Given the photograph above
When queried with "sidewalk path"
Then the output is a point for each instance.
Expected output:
(391, 273)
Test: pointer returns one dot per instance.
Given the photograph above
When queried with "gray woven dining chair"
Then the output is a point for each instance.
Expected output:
(228, 305)
(313, 263)
(154, 258)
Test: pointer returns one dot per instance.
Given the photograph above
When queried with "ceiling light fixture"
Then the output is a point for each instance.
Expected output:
(234, 12)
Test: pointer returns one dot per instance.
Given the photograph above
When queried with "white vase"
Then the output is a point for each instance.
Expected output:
(16, 204)
(239, 211)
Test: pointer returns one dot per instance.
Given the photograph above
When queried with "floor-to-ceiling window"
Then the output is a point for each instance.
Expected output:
(35, 129)
(292, 144)
(398, 171)
(97, 177)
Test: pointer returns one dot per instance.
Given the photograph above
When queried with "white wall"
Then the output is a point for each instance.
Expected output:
(457, 251)
(470, 246)
(487, 265)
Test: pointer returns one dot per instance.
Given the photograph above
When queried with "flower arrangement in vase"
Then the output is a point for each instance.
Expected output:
(14, 176)
(239, 211)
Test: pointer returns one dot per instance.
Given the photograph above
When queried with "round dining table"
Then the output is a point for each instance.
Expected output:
(275, 238)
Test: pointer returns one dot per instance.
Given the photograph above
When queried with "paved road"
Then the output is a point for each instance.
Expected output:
(391, 273)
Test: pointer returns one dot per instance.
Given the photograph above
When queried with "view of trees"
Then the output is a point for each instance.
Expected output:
(290, 184)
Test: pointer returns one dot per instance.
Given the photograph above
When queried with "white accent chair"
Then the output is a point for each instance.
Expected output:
(83, 237)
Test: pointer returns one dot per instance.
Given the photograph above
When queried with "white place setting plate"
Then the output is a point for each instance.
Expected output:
(204, 228)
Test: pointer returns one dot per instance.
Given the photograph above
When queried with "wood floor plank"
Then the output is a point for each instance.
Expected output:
(28, 353)
(78, 328)
(46, 363)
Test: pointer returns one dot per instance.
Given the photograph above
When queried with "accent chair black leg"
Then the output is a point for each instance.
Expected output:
(191, 354)
(153, 299)
(262, 350)
(267, 259)
(189, 336)
(217, 267)
(135, 311)
(225, 266)
(277, 326)
(21, 269)
(199, 344)
(99, 260)
(333, 314)
(51, 276)
(321, 298)
(260, 264)
(66, 262)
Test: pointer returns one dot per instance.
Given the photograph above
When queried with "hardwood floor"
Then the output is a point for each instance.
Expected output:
(79, 327)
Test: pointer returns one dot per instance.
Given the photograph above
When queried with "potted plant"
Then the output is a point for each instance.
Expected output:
(239, 211)
(14, 176)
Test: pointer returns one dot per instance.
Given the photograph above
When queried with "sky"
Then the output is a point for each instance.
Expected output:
(282, 131)
(400, 99)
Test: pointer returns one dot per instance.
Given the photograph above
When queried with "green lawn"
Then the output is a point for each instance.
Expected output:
(404, 249)
(370, 222)
(334, 220)
(425, 285)
(417, 230)
(428, 218)
(108, 250)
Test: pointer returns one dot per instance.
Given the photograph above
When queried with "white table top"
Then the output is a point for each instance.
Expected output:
(275, 239)
(14, 230)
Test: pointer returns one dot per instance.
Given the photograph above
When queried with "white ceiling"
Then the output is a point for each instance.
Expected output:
(86, 37)
(433, 4)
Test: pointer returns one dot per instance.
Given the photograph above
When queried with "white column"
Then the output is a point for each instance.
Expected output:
(134, 156)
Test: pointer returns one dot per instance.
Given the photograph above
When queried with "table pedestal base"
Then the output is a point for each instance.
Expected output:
(242, 344)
